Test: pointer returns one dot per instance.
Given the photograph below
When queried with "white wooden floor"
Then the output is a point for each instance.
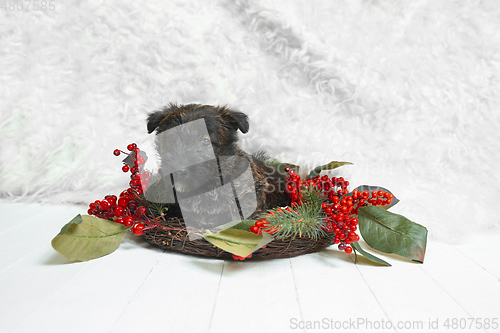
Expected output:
(140, 288)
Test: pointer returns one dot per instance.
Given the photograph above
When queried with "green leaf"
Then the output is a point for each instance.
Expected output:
(392, 233)
(330, 166)
(367, 255)
(280, 166)
(243, 225)
(239, 242)
(88, 237)
(371, 188)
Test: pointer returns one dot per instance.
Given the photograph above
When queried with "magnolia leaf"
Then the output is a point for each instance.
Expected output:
(239, 242)
(243, 225)
(392, 233)
(367, 255)
(88, 237)
(279, 166)
(371, 188)
(330, 166)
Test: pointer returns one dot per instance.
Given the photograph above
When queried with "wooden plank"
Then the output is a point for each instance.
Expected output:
(484, 250)
(474, 289)
(333, 294)
(37, 226)
(178, 295)
(256, 297)
(51, 294)
(14, 215)
(409, 296)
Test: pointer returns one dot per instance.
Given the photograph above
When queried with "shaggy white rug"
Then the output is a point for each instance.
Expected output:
(406, 90)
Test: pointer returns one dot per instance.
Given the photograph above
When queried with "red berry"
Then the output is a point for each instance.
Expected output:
(128, 221)
(132, 205)
(141, 210)
(348, 249)
(109, 196)
(138, 229)
(117, 152)
(131, 146)
(104, 205)
(125, 168)
(123, 201)
(119, 211)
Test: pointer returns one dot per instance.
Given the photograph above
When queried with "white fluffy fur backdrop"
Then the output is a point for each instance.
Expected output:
(409, 91)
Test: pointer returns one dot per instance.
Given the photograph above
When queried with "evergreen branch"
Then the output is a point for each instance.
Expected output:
(305, 220)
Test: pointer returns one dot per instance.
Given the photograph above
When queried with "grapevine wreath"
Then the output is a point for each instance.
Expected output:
(322, 212)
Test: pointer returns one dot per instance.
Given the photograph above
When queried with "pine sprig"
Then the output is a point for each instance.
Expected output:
(303, 221)
(313, 196)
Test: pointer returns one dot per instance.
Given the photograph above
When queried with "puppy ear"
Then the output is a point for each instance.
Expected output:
(155, 118)
(236, 119)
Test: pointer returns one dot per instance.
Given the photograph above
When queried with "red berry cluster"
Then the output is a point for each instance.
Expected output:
(126, 209)
(329, 187)
(263, 225)
(340, 209)
(139, 179)
(260, 226)
(237, 257)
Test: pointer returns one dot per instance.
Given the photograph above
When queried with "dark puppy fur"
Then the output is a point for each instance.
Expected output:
(187, 150)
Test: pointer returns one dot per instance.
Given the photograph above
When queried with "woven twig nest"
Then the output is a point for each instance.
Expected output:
(172, 236)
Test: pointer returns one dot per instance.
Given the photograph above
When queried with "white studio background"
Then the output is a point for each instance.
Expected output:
(406, 90)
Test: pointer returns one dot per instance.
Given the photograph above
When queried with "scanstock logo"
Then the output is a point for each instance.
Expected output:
(211, 190)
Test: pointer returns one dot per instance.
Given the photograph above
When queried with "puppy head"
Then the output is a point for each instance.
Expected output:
(221, 122)
(189, 137)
